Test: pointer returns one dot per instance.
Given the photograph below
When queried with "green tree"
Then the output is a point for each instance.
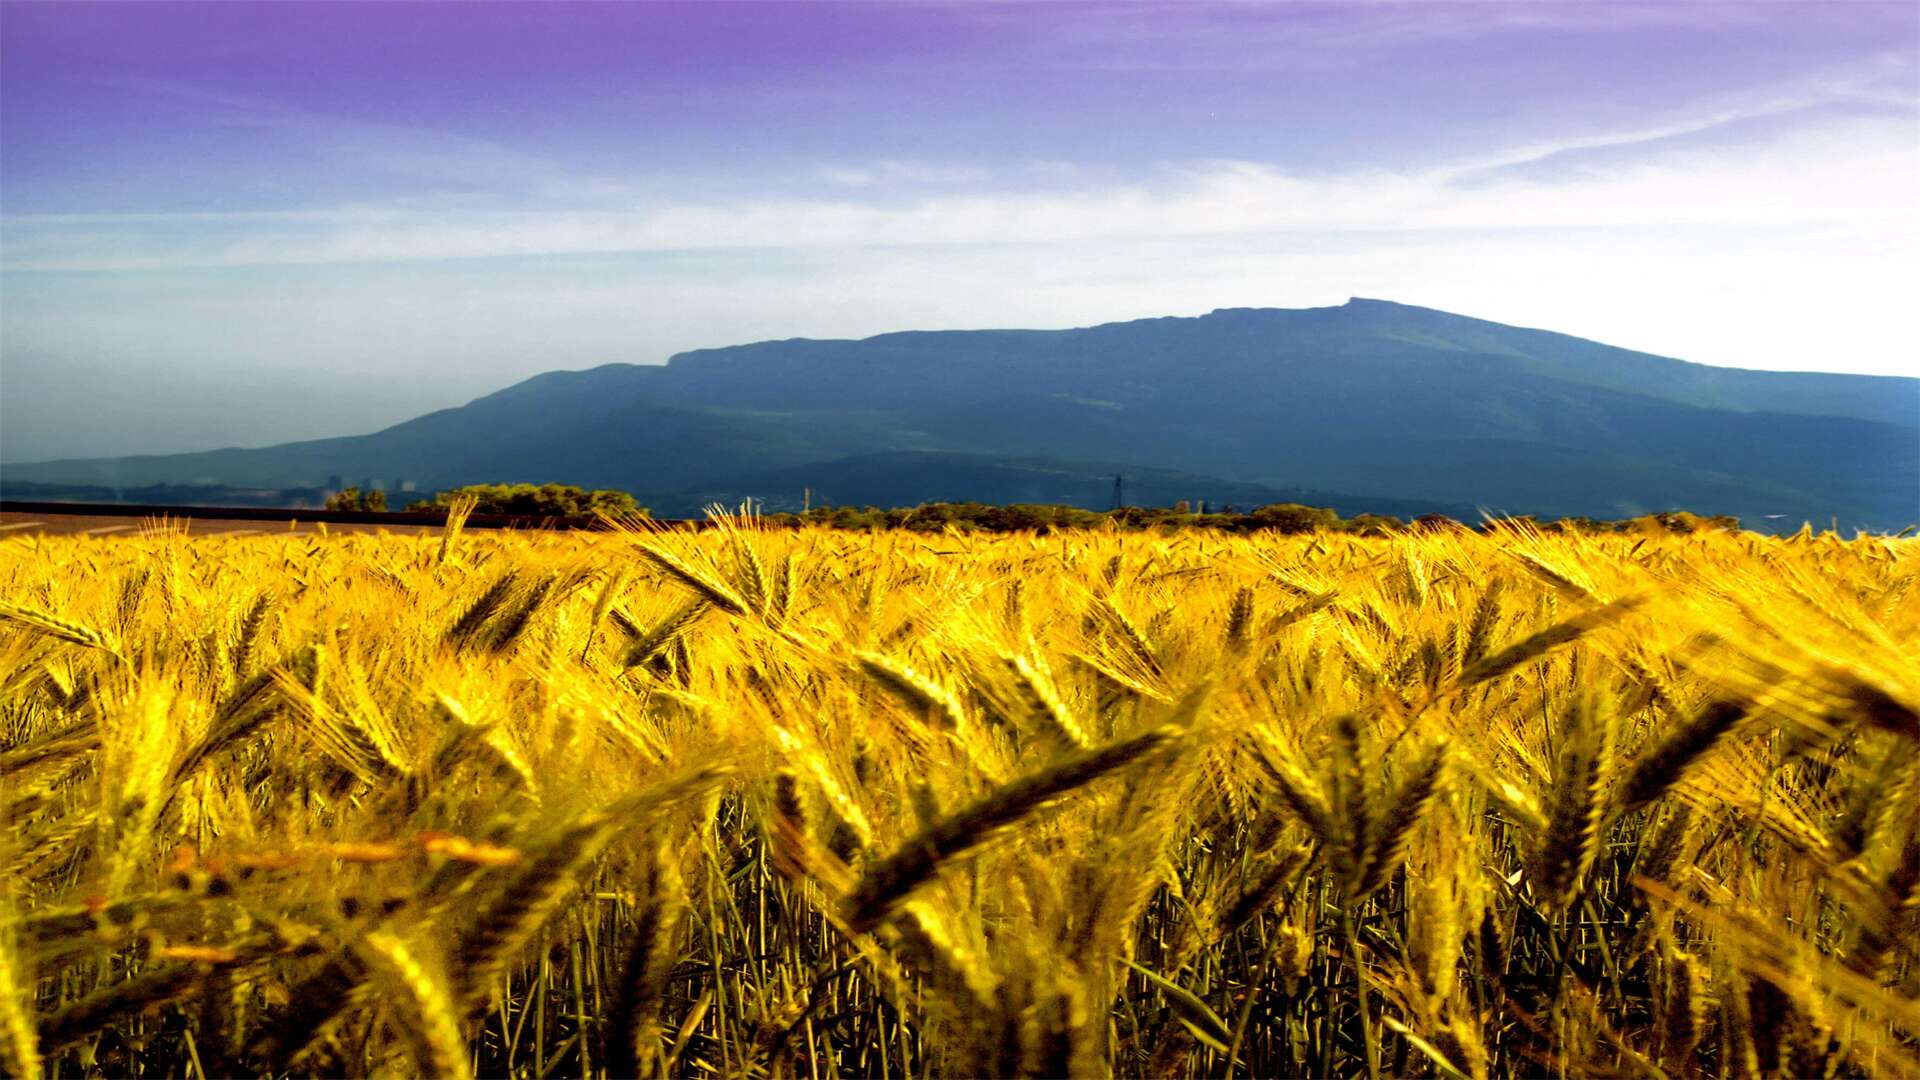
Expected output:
(1375, 524)
(1293, 518)
(354, 499)
(543, 500)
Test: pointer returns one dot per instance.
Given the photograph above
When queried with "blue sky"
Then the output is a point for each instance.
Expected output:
(238, 223)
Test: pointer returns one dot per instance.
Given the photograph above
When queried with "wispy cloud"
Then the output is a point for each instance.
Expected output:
(442, 161)
(1837, 151)
(1882, 82)
(1255, 35)
(1856, 173)
(889, 173)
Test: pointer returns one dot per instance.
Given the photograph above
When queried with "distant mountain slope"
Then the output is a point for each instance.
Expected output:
(1254, 344)
(1375, 398)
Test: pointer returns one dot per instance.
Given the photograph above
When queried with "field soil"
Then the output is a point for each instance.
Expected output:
(210, 524)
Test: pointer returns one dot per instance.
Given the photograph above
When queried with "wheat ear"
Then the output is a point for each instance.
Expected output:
(633, 1037)
(247, 637)
(19, 1044)
(1553, 637)
(21, 763)
(1661, 767)
(1259, 896)
(1239, 616)
(1579, 812)
(668, 630)
(1300, 792)
(1043, 702)
(63, 629)
(913, 689)
(513, 622)
(1389, 842)
(457, 514)
(467, 627)
(440, 1048)
(888, 882)
(716, 593)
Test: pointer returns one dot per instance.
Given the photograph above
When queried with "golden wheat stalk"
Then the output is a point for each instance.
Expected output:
(63, 629)
(716, 593)
(19, 1043)
(466, 629)
(647, 645)
(914, 690)
(1259, 896)
(1662, 766)
(158, 986)
(513, 621)
(1042, 700)
(1578, 814)
(1553, 637)
(247, 636)
(888, 882)
(1388, 844)
(632, 1046)
(457, 515)
(52, 750)
(440, 1047)
(1302, 794)
(527, 899)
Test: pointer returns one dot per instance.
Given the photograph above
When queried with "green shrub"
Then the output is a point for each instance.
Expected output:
(544, 500)
(354, 499)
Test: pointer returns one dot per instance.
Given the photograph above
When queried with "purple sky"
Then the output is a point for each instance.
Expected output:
(392, 207)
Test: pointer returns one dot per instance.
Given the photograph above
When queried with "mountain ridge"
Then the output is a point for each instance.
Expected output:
(1373, 397)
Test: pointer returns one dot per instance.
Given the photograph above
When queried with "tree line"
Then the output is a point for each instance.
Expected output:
(565, 500)
(1274, 518)
(526, 500)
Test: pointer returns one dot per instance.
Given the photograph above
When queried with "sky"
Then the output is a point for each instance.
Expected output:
(243, 223)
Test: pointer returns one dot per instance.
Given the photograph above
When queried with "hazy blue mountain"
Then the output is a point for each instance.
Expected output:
(1379, 399)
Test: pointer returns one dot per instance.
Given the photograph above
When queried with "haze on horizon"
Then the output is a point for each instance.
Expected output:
(244, 223)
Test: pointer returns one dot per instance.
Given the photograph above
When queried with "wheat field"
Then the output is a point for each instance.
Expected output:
(749, 802)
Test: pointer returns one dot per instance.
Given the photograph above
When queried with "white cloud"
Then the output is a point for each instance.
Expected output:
(1856, 173)
(1240, 34)
(440, 160)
